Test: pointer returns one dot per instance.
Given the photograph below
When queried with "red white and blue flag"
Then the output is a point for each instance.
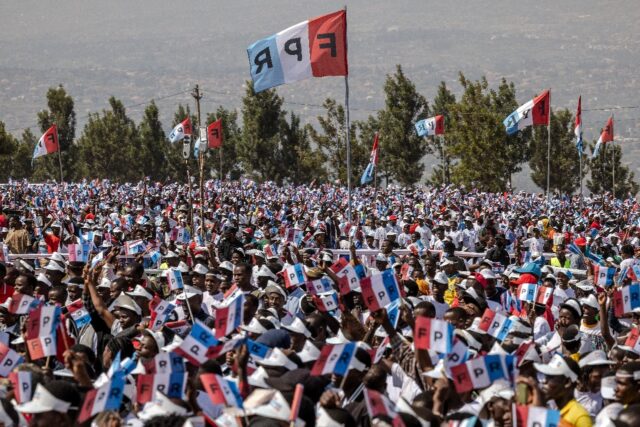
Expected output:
(626, 299)
(334, 359)
(22, 385)
(605, 136)
(79, 313)
(48, 143)
(431, 126)
(536, 416)
(41, 331)
(323, 284)
(633, 340)
(134, 247)
(433, 334)
(173, 385)
(313, 48)
(196, 345)
(221, 391)
(577, 129)
(532, 113)
(108, 397)
(9, 359)
(527, 292)
(481, 372)
(294, 275)
(380, 290)
(603, 276)
(378, 405)
(79, 252)
(174, 278)
(160, 313)
(181, 130)
(21, 304)
(229, 316)
(367, 176)
(495, 324)
(326, 302)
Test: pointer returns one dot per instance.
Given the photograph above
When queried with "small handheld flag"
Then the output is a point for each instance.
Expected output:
(221, 391)
(480, 372)
(229, 317)
(433, 334)
(294, 275)
(380, 290)
(174, 278)
(334, 359)
(626, 299)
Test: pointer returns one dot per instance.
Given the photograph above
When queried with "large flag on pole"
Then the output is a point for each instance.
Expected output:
(214, 134)
(48, 143)
(367, 176)
(577, 130)
(430, 126)
(313, 48)
(532, 113)
(605, 136)
(181, 130)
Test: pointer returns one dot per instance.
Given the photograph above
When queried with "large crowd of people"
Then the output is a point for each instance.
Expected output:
(240, 303)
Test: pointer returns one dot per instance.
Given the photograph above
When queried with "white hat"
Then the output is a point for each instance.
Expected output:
(157, 337)
(43, 401)
(309, 352)
(488, 274)
(590, 301)
(257, 378)
(126, 302)
(595, 358)
(556, 366)
(298, 327)
(170, 254)
(57, 257)
(272, 287)
(161, 405)
(380, 257)
(608, 388)
(188, 292)
(200, 269)
(254, 327)
(105, 283)
(139, 291)
(446, 262)
(54, 266)
(43, 278)
(265, 271)
(226, 265)
(278, 359)
(338, 339)
(183, 267)
(585, 285)
(441, 278)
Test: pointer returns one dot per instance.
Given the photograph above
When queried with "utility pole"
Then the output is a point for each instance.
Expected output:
(197, 95)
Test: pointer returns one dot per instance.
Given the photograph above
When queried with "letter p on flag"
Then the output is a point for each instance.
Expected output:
(313, 48)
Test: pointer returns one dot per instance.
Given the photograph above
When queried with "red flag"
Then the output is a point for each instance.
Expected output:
(540, 110)
(214, 134)
(48, 143)
(439, 125)
(328, 44)
(607, 132)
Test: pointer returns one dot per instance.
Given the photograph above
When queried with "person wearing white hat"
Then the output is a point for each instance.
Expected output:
(141, 297)
(593, 329)
(193, 297)
(594, 366)
(57, 403)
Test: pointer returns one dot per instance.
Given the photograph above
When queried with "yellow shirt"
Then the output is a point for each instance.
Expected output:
(574, 415)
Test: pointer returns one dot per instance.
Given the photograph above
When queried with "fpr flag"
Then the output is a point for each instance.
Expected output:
(532, 113)
(214, 134)
(605, 136)
(577, 130)
(433, 334)
(48, 143)
(367, 176)
(380, 290)
(536, 416)
(181, 130)
(313, 48)
(431, 126)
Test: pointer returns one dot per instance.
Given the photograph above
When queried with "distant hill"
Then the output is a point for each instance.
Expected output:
(150, 48)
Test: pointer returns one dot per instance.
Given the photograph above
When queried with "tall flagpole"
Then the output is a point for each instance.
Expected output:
(580, 155)
(59, 155)
(346, 103)
(613, 162)
(549, 152)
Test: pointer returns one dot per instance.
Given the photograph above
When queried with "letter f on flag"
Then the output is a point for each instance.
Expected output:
(48, 143)
(605, 136)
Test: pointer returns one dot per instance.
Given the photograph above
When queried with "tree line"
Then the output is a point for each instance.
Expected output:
(263, 141)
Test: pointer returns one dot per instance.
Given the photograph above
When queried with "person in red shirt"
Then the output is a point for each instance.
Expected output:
(52, 238)
(6, 290)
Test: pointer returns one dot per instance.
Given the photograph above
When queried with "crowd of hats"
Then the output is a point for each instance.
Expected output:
(266, 305)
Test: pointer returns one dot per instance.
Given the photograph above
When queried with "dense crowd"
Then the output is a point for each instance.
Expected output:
(238, 303)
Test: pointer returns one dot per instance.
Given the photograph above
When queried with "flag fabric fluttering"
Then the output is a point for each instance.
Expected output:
(577, 130)
(181, 130)
(431, 126)
(214, 134)
(367, 176)
(313, 48)
(532, 113)
(605, 136)
(48, 143)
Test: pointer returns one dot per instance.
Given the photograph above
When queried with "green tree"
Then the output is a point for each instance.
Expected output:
(602, 169)
(21, 161)
(442, 105)
(403, 149)
(259, 148)
(332, 144)
(154, 146)
(518, 145)
(297, 155)
(564, 175)
(8, 148)
(61, 112)
(480, 139)
(109, 145)
(231, 138)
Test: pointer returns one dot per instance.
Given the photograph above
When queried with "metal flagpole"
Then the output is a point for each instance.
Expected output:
(59, 155)
(613, 163)
(347, 125)
(580, 155)
(198, 96)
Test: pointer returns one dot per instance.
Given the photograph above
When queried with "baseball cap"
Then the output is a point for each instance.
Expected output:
(557, 366)
(44, 399)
